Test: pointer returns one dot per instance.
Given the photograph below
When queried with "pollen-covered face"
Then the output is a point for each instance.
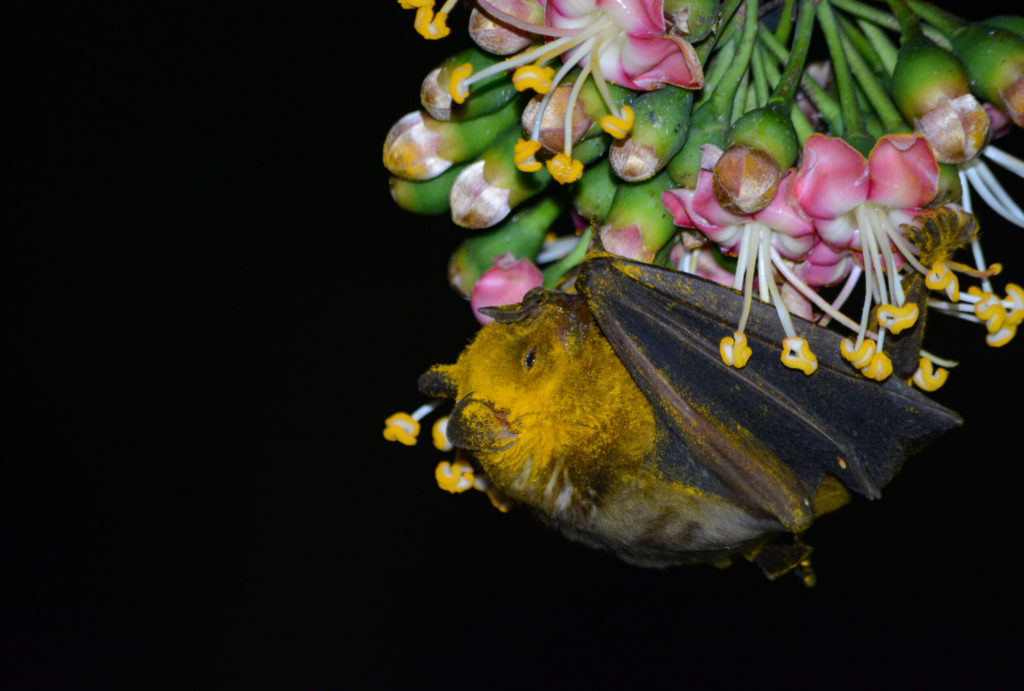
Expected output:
(542, 385)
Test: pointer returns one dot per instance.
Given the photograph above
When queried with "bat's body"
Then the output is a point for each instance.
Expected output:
(610, 412)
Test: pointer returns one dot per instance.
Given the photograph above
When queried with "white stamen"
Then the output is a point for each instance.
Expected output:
(810, 293)
(424, 410)
(1011, 163)
(557, 248)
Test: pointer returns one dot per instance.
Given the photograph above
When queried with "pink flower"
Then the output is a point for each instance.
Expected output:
(505, 283)
(631, 47)
(834, 179)
(793, 230)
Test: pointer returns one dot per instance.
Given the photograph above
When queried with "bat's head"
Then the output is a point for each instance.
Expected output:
(541, 386)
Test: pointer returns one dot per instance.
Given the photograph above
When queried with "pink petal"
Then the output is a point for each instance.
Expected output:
(705, 210)
(505, 283)
(709, 268)
(640, 18)
(784, 213)
(626, 242)
(675, 201)
(824, 266)
(839, 232)
(832, 179)
(646, 64)
(903, 171)
(569, 14)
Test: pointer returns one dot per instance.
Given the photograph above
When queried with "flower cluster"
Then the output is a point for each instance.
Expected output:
(703, 135)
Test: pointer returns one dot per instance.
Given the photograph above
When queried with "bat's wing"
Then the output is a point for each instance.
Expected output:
(763, 435)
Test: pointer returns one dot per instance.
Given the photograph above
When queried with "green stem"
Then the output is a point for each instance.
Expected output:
(785, 26)
(705, 48)
(553, 274)
(910, 25)
(884, 19)
(719, 64)
(801, 124)
(768, 40)
(853, 122)
(725, 94)
(864, 47)
(760, 80)
(785, 91)
(944, 21)
(822, 100)
(876, 94)
(884, 48)
(739, 99)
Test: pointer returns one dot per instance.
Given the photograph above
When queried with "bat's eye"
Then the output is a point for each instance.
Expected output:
(531, 357)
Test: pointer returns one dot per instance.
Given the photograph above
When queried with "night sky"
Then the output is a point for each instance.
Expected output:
(213, 304)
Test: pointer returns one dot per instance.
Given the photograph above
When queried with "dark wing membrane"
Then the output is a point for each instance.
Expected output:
(764, 434)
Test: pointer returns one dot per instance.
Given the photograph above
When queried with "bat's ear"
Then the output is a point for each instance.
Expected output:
(438, 381)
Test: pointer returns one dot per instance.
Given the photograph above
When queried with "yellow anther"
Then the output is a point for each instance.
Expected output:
(565, 168)
(454, 477)
(1001, 336)
(897, 319)
(616, 126)
(533, 77)
(861, 357)
(941, 277)
(879, 368)
(989, 308)
(927, 377)
(439, 434)
(402, 428)
(414, 4)
(459, 75)
(523, 155)
(1015, 312)
(734, 350)
(796, 354)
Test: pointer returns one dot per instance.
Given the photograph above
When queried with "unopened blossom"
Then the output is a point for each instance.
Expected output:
(505, 283)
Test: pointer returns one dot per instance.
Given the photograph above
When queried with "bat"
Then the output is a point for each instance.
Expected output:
(609, 412)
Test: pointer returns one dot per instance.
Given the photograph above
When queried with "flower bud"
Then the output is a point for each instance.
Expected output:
(551, 132)
(499, 38)
(505, 283)
(691, 19)
(932, 89)
(994, 59)
(745, 179)
(522, 234)
(638, 225)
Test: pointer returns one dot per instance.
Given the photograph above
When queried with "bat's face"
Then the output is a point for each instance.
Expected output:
(542, 387)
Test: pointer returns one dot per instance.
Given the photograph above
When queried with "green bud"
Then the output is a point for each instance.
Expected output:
(487, 95)
(660, 126)
(522, 234)
(593, 193)
(638, 225)
(487, 189)
(464, 139)
(691, 19)
(949, 185)
(924, 74)
(994, 59)
(708, 126)
(768, 129)
(1007, 22)
(426, 197)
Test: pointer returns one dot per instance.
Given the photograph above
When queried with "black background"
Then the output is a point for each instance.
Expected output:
(213, 304)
